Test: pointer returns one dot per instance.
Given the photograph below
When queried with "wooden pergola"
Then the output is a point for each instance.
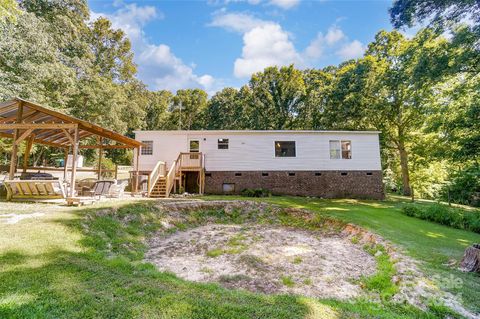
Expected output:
(22, 120)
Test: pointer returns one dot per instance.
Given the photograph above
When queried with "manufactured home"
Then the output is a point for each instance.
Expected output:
(330, 164)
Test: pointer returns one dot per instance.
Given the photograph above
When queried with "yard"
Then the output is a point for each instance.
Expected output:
(60, 262)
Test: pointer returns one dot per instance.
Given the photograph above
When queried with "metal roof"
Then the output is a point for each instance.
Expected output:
(34, 116)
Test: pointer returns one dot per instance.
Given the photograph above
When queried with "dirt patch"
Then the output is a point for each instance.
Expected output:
(265, 259)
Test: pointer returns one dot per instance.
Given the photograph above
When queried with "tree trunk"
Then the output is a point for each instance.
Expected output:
(471, 259)
(404, 167)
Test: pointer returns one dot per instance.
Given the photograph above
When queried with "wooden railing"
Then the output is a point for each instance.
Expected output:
(170, 179)
(158, 171)
(190, 160)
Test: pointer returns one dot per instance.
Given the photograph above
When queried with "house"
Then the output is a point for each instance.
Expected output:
(331, 164)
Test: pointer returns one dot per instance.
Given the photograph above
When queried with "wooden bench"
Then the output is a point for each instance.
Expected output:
(38, 189)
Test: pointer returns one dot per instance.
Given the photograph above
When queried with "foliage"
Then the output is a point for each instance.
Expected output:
(256, 192)
(464, 187)
(438, 213)
(8, 11)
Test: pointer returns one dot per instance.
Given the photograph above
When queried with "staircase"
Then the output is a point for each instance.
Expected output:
(159, 190)
(161, 181)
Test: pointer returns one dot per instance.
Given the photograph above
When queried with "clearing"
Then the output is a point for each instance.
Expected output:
(91, 262)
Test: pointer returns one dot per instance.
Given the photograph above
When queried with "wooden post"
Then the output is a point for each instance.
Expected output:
(26, 155)
(100, 154)
(116, 171)
(74, 162)
(137, 165)
(13, 157)
(65, 166)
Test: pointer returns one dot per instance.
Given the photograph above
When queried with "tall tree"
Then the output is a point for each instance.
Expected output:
(158, 104)
(8, 11)
(187, 109)
(277, 96)
(225, 111)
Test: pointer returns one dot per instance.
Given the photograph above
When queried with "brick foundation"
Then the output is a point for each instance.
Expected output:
(327, 184)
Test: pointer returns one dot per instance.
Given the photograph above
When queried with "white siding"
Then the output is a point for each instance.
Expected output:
(254, 151)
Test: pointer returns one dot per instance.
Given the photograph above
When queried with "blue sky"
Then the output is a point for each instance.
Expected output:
(217, 43)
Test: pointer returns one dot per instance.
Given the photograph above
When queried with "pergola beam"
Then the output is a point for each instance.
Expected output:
(24, 126)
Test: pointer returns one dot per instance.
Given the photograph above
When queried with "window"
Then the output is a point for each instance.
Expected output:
(223, 143)
(147, 148)
(285, 149)
(194, 146)
(340, 150)
(228, 187)
(346, 150)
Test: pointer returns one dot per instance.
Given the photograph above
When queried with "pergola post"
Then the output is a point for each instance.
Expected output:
(137, 165)
(28, 149)
(65, 165)
(100, 155)
(13, 157)
(74, 162)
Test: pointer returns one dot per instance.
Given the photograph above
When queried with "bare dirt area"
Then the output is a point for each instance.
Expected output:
(265, 259)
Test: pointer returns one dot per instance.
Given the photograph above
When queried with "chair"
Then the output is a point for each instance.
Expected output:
(100, 188)
(84, 186)
(117, 190)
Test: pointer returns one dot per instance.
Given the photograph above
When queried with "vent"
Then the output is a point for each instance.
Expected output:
(344, 173)
(238, 174)
(264, 174)
(208, 174)
(291, 174)
(369, 173)
(318, 174)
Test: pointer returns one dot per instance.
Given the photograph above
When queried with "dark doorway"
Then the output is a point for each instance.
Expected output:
(191, 182)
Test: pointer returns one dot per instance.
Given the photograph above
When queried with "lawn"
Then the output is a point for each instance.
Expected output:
(87, 263)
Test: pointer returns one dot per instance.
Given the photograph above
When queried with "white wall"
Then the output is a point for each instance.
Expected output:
(251, 151)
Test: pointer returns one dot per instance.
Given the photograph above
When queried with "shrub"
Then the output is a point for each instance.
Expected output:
(449, 216)
(256, 192)
(464, 187)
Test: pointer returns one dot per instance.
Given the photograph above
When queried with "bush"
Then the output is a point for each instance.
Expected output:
(449, 216)
(256, 192)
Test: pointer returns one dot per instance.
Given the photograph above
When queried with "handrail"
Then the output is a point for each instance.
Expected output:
(158, 170)
(170, 179)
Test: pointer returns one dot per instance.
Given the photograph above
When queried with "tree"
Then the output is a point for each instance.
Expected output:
(156, 110)
(446, 12)
(8, 11)
(187, 109)
(31, 64)
(112, 52)
(226, 110)
(276, 97)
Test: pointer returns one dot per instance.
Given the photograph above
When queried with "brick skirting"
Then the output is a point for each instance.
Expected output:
(327, 184)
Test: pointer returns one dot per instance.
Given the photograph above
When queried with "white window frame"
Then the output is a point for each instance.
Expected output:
(336, 149)
(146, 150)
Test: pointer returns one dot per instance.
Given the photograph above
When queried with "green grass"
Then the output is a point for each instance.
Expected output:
(433, 244)
(381, 282)
(87, 263)
(287, 281)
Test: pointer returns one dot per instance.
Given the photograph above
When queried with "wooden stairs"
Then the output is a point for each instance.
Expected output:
(159, 190)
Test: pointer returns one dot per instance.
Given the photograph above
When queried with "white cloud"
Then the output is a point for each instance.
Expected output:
(264, 46)
(158, 66)
(321, 43)
(285, 4)
(334, 35)
(351, 50)
(239, 22)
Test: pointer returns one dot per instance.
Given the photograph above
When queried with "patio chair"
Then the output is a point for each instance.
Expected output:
(117, 190)
(100, 188)
(85, 185)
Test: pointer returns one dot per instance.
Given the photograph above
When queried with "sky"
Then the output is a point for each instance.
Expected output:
(214, 44)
